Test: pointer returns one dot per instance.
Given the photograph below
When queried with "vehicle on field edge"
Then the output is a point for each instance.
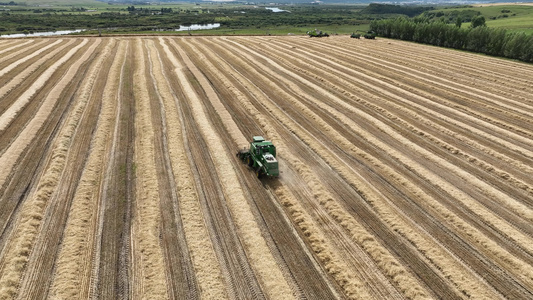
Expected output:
(317, 33)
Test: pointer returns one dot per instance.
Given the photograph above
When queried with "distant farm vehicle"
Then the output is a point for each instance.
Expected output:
(261, 157)
(371, 35)
(317, 33)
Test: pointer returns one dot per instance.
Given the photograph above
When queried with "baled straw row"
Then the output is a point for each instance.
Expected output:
(28, 57)
(452, 270)
(319, 244)
(16, 253)
(436, 57)
(434, 104)
(18, 79)
(9, 115)
(231, 127)
(504, 107)
(261, 259)
(466, 152)
(388, 264)
(489, 217)
(8, 45)
(517, 207)
(206, 266)
(513, 264)
(500, 74)
(494, 100)
(449, 85)
(11, 154)
(363, 76)
(148, 276)
(167, 203)
(314, 236)
(22, 49)
(75, 260)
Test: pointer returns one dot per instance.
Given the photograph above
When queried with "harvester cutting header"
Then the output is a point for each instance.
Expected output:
(261, 157)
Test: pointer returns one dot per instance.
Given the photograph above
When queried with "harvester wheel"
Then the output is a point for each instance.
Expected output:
(250, 161)
(258, 172)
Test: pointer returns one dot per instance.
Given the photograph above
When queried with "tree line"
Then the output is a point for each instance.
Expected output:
(408, 10)
(146, 17)
(477, 37)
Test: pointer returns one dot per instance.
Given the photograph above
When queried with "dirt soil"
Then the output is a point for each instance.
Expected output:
(406, 171)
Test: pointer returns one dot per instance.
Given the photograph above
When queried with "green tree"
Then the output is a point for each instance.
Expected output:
(478, 21)
(515, 44)
(458, 22)
(527, 51)
(496, 42)
(478, 39)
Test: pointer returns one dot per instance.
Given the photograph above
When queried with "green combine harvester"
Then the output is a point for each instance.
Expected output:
(261, 157)
(317, 33)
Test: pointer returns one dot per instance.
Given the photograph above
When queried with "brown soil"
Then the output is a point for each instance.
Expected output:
(406, 170)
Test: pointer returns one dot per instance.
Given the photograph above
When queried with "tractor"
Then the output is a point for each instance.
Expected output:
(261, 157)
(371, 35)
(317, 33)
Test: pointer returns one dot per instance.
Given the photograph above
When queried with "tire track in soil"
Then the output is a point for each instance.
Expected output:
(10, 133)
(113, 277)
(306, 173)
(13, 85)
(187, 207)
(148, 263)
(519, 185)
(367, 192)
(240, 280)
(16, 256)
(240, 272)
(7, 116)
(79, 254)
(477, 124)
(499, 225)
(180, 272)
(399, 148)
(15, 64)
(116, 89)
(29, 160)
(9, 57)
(307, 281)
(74, 140)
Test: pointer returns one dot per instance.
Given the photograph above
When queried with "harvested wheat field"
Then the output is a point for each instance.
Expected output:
(406, 170)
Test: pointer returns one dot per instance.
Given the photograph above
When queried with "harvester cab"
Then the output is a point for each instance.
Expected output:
(261, 156)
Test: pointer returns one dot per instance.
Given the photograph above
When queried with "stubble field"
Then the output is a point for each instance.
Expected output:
(406, 170)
